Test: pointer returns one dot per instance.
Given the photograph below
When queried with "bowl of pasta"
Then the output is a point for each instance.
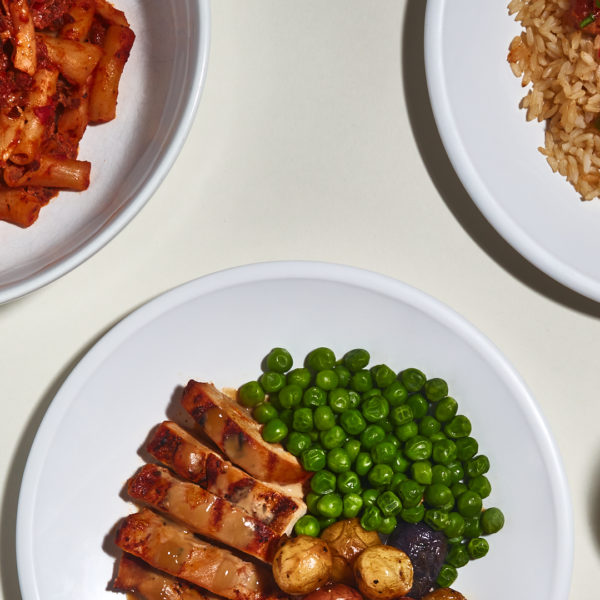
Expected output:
(77, 80)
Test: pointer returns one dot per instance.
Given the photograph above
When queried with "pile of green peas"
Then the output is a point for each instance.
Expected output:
(383, 446)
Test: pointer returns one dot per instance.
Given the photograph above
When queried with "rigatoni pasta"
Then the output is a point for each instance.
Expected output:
(60, 66)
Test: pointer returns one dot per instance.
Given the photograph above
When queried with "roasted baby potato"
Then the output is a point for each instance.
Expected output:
(347, 539)
(444, 594)
(302, 564)
(383, 573)
(335, 591)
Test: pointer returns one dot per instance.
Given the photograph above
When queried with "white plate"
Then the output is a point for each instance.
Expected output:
(493, 149)
(218, 328)
(130, 156)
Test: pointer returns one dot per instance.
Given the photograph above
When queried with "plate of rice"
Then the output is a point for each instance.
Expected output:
(515, 90)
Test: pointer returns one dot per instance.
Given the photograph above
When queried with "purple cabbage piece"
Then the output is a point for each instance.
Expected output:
(427, 551)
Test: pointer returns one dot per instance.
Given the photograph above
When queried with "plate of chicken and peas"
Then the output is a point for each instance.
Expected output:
(335, 480)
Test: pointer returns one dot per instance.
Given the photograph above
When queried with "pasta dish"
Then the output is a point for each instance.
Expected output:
(60, 66)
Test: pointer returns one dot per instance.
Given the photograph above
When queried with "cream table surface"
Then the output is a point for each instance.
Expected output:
(315, 140)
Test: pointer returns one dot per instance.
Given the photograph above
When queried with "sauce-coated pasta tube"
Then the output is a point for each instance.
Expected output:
(75, 60)
(18, 207)
(81, 14)
(111, 14)
(53, 172)
(25, 48)
(103, 97)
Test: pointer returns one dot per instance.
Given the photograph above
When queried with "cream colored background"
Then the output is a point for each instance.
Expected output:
(315, 140)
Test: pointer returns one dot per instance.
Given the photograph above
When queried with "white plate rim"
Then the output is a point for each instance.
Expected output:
(473, 183)
(272, 271)
(111, 229)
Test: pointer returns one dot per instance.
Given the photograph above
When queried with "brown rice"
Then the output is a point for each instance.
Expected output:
(561, 66)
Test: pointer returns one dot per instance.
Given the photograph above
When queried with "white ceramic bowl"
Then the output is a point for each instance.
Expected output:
(158, 96)
(218, 328)
(494, 150)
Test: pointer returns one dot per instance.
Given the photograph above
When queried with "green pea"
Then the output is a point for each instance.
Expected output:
(392, 439)
(472, 527)
(418, 448)
(250, 394)
(458, 427)
(477, 465)
(491, 521)
(436, 437)
(279, 360)
(325, 522)
(418, 404)
(445, 409)
(396, 479)
(443, 452)
(373, 434)
(302, 420)
(355, 360)
(352, 447)
(323, 482)
(413, 379)
(380, 475)
(469, 504)
(447, 575)
(339, 400)
(352, 422)
(383, 453)
(457, 471)
(348, 482)
(297, 443)
(323, 418)
(363, 463)
(401, 415)
(414, 514)
(410, 493)
(457, 555)
(313, 459)
(422, 472)
(481, 485)
(264, 412)
(429, 426)
(320, 359)
(375, 408)
(300, 377)
(352, 505)
(407, 431)
(477, 548)
(338, 460)
(361, 381)
(343, 375)
(386, 426)
(313, 434)
(370, 496)
(389, 503)
(395, 393)
(456, 526)
(371, 518)
(314, 396)
(436, 519)
(353, 399)
(307, 525)
(466, 448)
(327, 379)
(290, 395)
(438, 495)
(271, 381)
(458, 488)
(388, 524)
(435, 389)
(330, 505)
(311, 500)
(287, 416)
(333, 438)
(383, 375)
(370, 393)
(274, 431)
(441, 474)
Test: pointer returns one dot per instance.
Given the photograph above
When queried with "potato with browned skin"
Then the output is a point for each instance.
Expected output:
(383, 573)
(444, 594)
(334, 591)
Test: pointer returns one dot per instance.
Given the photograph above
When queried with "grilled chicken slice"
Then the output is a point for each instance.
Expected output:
(238, 436)
(192, 460)
(170, 548)
(202, 512)
(136, 577)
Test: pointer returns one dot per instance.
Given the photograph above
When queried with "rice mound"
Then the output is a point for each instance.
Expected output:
(561, 64)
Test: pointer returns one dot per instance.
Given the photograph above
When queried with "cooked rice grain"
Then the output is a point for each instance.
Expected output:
(561, 67)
